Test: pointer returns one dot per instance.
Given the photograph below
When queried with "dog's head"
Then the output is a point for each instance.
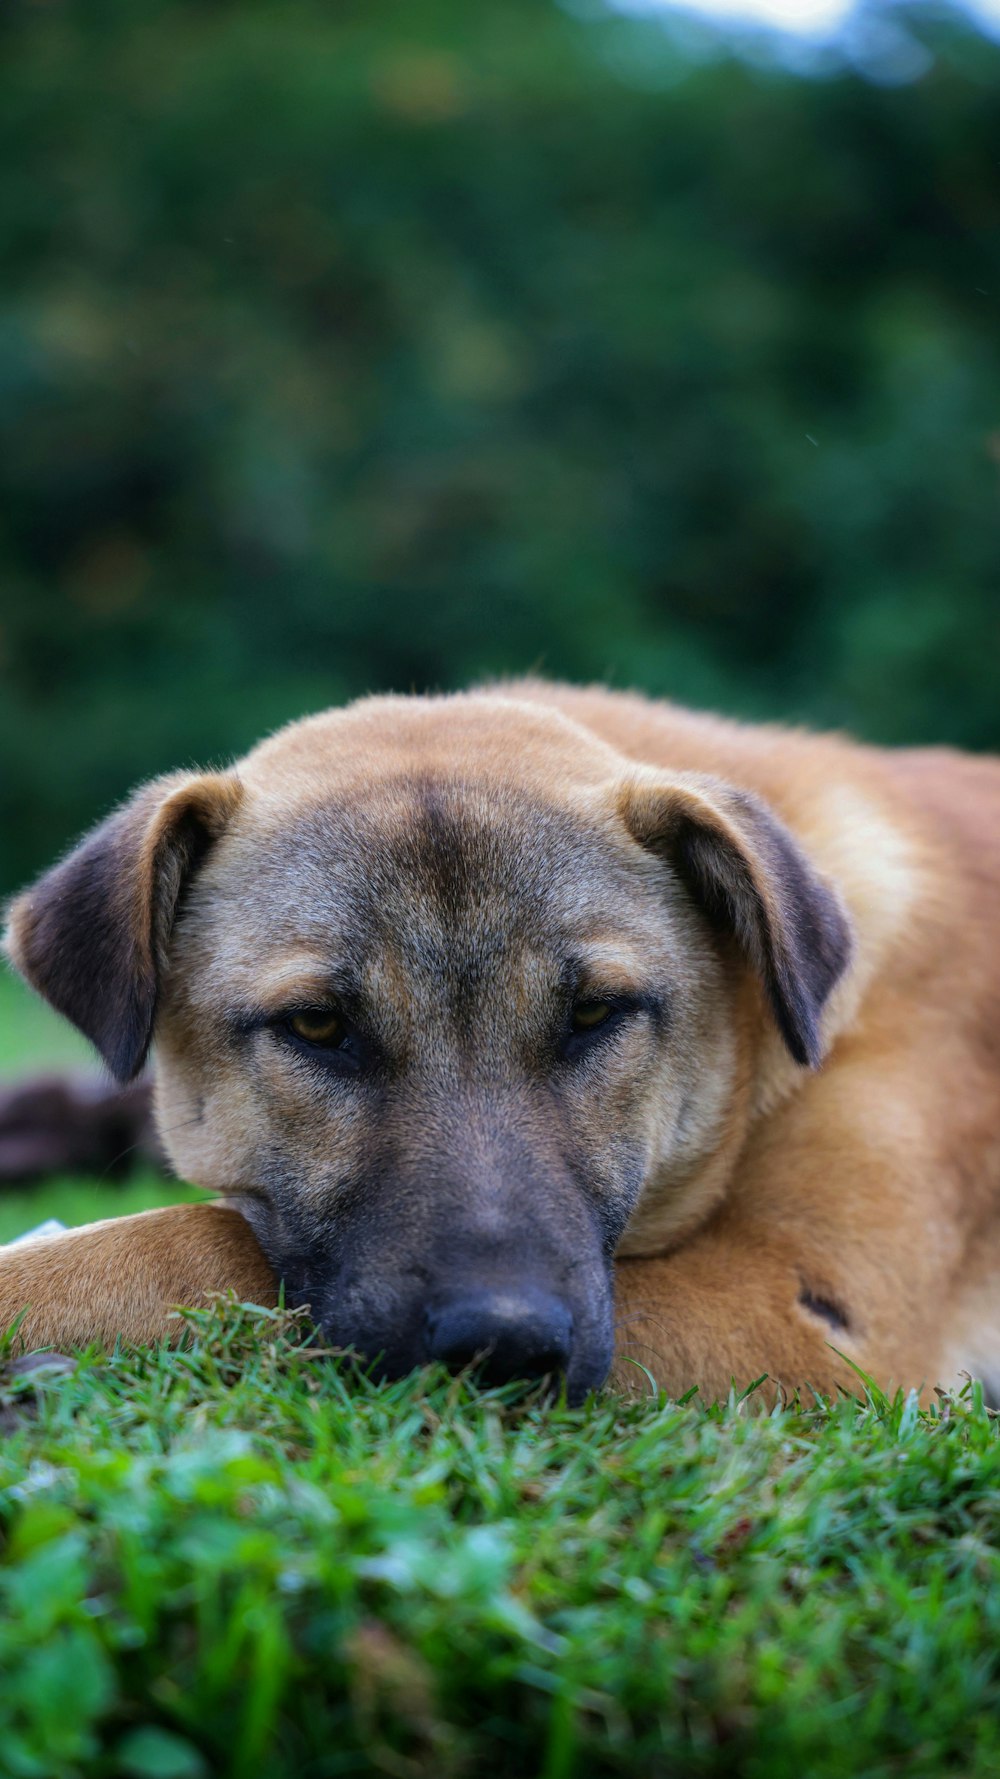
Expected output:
(445, 989)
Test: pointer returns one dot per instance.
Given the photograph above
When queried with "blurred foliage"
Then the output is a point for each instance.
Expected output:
(360, 346)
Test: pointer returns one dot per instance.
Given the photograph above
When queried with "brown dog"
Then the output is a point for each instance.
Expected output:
(459, 999)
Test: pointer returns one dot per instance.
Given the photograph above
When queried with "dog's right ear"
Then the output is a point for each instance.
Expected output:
(92, 934)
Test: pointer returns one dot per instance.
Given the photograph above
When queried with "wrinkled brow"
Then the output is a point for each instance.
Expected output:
(302, 980)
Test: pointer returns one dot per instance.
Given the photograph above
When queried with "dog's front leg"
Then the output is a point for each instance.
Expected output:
(714, 1314)
(125, 1275)
(844, 1234)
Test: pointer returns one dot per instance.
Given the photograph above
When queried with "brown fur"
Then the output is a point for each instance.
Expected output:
(123, 1277)
(790, 898)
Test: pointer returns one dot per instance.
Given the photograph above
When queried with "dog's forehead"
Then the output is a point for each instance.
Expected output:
(435, 839)
(426, 892)
(418, 853)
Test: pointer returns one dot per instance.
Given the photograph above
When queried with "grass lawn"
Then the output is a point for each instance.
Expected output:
(243, 1559)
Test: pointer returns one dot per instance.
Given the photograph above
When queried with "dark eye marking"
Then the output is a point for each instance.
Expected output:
(824, 1308)
(326, 1028)
(596, 1019)
(590, 1015)
(324, 1035)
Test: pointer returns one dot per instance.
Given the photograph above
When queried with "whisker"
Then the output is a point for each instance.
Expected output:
(131, 1148)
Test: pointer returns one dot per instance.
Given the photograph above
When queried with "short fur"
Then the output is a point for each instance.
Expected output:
(787, 1134)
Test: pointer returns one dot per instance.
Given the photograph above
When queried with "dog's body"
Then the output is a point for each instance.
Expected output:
(598, 977)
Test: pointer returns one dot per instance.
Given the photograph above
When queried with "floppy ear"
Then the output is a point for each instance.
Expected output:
(91, 935)
(754, 882)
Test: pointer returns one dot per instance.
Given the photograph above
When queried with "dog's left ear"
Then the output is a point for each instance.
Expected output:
(91, 935)
(754, 882)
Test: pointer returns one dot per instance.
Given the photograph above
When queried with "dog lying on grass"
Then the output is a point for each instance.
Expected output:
(525, 1024)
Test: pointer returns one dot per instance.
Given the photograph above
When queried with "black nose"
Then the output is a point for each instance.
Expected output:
(515, 1333)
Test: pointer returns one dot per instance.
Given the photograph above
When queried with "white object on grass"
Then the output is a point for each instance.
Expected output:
(51, 1226)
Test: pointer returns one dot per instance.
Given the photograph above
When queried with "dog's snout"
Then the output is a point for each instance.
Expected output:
(513, 1333)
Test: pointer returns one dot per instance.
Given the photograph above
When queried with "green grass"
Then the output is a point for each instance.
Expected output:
(84, 1201)
(32, 1037)
(242, 1559)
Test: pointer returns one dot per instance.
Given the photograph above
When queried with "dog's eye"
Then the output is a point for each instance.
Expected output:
(327, 1037)
(323, 1029)
(588, 1015)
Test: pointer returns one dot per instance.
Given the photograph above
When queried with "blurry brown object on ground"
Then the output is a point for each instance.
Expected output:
(55, 1124)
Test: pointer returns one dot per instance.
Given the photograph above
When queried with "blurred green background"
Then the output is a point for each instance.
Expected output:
(357, 346)
(34, 1041)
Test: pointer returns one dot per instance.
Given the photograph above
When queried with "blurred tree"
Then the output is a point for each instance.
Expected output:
(352, 347)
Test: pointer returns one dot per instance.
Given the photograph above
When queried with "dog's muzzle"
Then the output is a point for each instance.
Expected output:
(459, 1309)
